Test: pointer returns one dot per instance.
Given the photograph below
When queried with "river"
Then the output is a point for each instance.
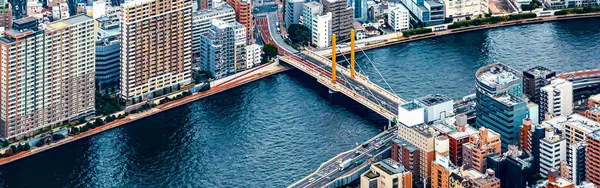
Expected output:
(274, 131)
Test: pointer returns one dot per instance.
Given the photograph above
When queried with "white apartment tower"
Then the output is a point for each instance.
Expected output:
(202, 21)
(398, 17)
(49, 74)
(321, 30)
(156, 46)
(253, 57)
(553, 151)
(557, 98)
(309, 10)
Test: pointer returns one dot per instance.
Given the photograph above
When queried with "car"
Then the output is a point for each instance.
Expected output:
(311, 180)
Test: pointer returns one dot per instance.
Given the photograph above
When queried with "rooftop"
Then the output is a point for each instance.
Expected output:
(25, 20)
(595, 97)
(214, 10)
(595, 135)
(508, 99)
(405, 144)
(539, 71)
(313, 4)
(73, 20)
(390, 166)
(497, 75)
(431, 99)
(411, 106)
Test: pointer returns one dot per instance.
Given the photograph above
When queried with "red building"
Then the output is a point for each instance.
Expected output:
(592, 158)
(458, 138)
(407, 155)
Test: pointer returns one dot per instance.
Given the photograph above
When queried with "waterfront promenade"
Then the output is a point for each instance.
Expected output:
(345, 48)
(241, 80)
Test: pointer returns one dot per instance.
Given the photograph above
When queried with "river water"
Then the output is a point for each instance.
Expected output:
(274, 131)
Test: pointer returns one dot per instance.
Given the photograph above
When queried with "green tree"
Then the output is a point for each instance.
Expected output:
(269, 51)
(299, 34)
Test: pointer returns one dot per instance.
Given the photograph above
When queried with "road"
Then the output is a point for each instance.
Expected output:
(330, 170)
(267, 26)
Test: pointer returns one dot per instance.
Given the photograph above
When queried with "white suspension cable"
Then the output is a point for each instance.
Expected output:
(376, 70)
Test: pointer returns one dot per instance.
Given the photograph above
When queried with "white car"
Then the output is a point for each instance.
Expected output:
(311, 180)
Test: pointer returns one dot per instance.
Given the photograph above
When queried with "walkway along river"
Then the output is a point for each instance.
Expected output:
(271, 132)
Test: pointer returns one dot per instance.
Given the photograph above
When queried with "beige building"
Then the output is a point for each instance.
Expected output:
(386, 174)
(41, 92)
(423, 138)
(156, 47)
(479, 147)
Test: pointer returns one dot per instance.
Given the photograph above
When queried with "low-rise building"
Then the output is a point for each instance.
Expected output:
(253, 55)
(480, 145)
(428, 12)
(514, 166)
(386, 174)
(465, 9)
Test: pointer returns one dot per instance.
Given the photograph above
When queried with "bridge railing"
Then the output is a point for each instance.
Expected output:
(340, 88)
(358, 77)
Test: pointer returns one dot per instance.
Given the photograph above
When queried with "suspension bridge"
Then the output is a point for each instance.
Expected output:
(338, 78)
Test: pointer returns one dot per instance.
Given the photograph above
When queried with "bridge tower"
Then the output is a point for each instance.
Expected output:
(352, 53)
(333, 56)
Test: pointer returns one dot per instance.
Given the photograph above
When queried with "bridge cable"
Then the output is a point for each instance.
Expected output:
(377, 70)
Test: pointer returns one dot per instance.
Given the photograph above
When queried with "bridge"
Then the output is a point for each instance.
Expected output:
(334, 76)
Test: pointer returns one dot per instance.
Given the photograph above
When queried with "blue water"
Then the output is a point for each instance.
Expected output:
(272, 132)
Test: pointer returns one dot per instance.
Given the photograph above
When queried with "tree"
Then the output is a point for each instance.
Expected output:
(531, 6)
(269, 51)
(299, 34)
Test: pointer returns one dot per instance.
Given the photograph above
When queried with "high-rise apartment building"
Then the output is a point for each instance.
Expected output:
(360, 9)
(156, 46)
(224, 49)
(202, 21)
(556, 98)
(293, 12)
(49, 74)
(553, 151)
(243, 15)
(422, 138)
(5, 15)
(499, 103)
(458, 138)
(341, 15)
(321, 30)
(592, 163)
(577, 167)
(533, 80)
(205, 4)
(309, 10)
(407, 155)
(441, 168)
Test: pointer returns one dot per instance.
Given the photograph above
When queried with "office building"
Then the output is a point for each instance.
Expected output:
(556, 98)
(514, 166)
(42, 92)
(592, 163)
(398, 17)
(108, 61)
(202, 21)
(553, 151)
(386, 174)
(480, 145)
(225, 51)
(321, 30)
(243, 15)
(309, 10)
(499, 103)
(156, 47)
(533, 80)
(422, 138)
(293, 11)
(360, 9)
(465, 10)
(341, 16)
(426, 12)
(253, 55)
(5, 15)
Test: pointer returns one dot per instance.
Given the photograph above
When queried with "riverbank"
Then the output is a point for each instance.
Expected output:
(345, 49)
(241, 80)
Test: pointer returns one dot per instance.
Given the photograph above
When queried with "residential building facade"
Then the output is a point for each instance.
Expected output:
(533, 80)
(253, 55)
(398, 17)
(243, 15)
(553, 151)
(386, 174)
(41, 92)
(309, 10)
(156, 47)
(425, 12)
(321, 30)
(556, 98)
(293, 11)
(225, 51)
(6, 17)
(341, 16)
(592, 163)
(202, 21)
(108, 61)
